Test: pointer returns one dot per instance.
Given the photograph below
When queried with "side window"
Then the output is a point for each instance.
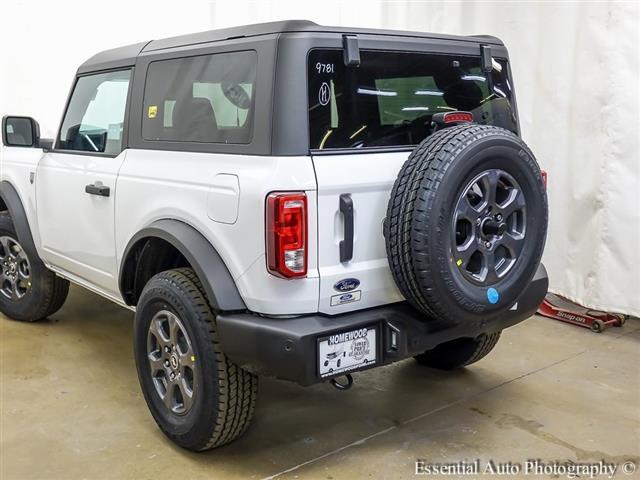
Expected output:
(95, 117)
(208, 98)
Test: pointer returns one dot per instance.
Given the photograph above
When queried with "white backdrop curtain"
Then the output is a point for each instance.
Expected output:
(576, 73)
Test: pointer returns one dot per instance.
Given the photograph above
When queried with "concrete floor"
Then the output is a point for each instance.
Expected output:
(71, 408)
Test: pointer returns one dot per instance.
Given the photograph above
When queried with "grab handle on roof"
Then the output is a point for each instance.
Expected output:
(486, 59)
(351, 50)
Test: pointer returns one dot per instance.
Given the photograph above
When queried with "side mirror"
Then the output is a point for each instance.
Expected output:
(20, 132)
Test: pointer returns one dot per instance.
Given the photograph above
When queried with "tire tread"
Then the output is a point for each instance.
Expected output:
(237, 388)
(458, 354)
(413, 194)
(54, 289)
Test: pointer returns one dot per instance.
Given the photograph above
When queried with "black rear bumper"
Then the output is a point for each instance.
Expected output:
(288, 348)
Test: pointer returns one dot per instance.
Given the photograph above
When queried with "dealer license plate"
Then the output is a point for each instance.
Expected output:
(346, 351)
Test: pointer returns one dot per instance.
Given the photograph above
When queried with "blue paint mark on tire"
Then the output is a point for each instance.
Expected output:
(493, 296)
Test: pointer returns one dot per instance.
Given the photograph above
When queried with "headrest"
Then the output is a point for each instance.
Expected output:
(463, 95)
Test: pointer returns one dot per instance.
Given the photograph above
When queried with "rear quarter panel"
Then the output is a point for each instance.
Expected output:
(155, 185)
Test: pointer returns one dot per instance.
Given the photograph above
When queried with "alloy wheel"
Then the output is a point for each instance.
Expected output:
(15, 277)
(489, 227)
(172, 362)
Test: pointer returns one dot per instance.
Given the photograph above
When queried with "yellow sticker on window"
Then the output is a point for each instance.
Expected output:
(153, 111)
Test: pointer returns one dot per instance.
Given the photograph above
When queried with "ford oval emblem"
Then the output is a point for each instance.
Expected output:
(347, 285)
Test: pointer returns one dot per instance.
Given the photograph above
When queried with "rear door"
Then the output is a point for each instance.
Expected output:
(364, 121)
(361, 183)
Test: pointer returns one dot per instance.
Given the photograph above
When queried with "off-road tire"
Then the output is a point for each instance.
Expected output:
(47, 292)
(224, 404)
(420, 212)
(459, 353)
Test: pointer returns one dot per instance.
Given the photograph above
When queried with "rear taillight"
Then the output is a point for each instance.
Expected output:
(287, 234)
(545, 177)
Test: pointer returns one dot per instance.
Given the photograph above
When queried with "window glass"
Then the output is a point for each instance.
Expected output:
(95, 117)
(390, 98)
(208, 98)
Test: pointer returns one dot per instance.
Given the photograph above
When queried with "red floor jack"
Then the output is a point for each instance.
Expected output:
(558, 308)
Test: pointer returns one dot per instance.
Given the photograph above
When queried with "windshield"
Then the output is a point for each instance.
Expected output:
(390, 98)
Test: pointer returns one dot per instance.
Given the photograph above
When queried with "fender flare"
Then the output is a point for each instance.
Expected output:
(217, 282)
(12, 200)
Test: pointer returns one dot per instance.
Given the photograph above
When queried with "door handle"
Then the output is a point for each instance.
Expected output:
(98, 189)
(346, 245)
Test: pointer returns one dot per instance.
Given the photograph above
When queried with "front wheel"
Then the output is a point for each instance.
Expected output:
(198, 398)
(459, 353)
(29, 291)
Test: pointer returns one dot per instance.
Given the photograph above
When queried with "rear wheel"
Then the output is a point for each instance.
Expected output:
(459, 353)
(199, 399)
(29, 291)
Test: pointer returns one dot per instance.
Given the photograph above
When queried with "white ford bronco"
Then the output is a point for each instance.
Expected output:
(283, 199)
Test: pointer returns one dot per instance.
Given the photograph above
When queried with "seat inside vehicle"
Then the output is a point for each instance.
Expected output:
(195, 120)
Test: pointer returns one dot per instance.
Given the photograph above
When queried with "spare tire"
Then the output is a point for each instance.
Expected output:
(466, 223)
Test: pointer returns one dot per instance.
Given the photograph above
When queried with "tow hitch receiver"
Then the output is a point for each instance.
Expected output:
(344, 386)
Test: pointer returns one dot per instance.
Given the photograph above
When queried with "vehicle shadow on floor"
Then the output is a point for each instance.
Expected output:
(292, 425)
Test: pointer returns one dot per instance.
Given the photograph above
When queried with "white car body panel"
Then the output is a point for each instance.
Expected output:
(17, 165)
(84, 237)
(369, 179)
(155, 185)
(77, 229)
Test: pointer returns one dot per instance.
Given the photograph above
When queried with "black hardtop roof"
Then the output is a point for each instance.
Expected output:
(125, 56)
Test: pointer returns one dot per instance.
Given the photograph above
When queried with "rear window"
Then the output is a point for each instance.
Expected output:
(390, 98)
(209, 98)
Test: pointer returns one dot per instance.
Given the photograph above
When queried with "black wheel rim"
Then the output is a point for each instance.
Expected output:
(489, 227)
(172, 362)
(15, 280)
